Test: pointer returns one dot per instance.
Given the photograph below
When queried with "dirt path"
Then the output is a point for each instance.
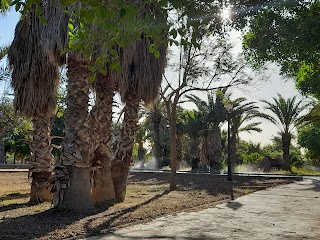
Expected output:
(284, 212)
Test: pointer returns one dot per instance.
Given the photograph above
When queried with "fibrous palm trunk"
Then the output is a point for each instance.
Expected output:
(41, 159)
(233, 152)
(101, 122)
(286, 141)
(122, 158)
(2, 151)
(72, 178)
(179, 149)
(156, 129)
(215, 150)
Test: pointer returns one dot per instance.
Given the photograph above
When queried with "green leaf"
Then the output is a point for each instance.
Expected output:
(92, 77)
(122, 12)
(70, 26)
(103, 72)
(156, 53)
(43, 20)
(173, 33)
(38, 11)
(115, 66)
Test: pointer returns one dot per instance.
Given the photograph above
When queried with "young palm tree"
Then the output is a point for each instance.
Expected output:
(215, 115)
(241, 113)
(155, 116)
(34, 57)
(286, 116)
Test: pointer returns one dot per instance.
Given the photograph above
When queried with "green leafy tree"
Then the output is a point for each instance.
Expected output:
(309, 138)
(288, 36)
(286, 115)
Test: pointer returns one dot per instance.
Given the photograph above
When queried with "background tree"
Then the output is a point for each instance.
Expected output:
(286, 116)
(279, 34)
(241, 114)
(309, 138)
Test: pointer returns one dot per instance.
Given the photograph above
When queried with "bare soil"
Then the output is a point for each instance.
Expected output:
(147, 198)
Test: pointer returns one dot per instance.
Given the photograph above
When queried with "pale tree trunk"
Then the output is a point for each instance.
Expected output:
(101, 122)
(123, 155)
(72, 179)
(41, 159)
(215, 150)
(2, 151)
(286, 141)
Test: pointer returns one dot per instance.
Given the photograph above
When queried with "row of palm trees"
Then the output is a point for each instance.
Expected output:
(203, 126)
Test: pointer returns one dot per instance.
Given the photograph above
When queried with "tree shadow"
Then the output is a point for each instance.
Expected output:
(316, 185)
(234, 205)
(157, 236)
(39, 224)
(107, 225)
(15, 195)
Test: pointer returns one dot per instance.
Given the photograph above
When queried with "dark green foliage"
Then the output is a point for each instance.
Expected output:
(288, 36)
(309, 138)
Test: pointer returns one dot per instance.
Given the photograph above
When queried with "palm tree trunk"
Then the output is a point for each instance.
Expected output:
(101, 117)
(286, 141)
(215, 150)
(179, 150)
(233, 153)
(41, 159)
(72, 178)
(122, 158)
(2, 150)
(156, 129)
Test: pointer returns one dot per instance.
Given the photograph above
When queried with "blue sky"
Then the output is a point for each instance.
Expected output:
(7, 26)
(267, 90)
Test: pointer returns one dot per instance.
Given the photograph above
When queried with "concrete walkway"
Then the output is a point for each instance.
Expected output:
(284, 212)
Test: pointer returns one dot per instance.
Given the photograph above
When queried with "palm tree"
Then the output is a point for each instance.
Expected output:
(193, 125)
(140, 80)
(286, 116)
(215, 115)
(155, 116)
(241, 113)
(34, 57)
(101, 123)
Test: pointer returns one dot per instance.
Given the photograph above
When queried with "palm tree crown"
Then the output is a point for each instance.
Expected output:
(286, 113)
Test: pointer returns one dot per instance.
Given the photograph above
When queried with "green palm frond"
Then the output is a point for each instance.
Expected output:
(287, 112)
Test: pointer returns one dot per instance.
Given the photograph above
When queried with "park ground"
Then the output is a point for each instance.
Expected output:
(147, 199)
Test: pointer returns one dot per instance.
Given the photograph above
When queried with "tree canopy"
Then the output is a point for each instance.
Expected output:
(288, 35)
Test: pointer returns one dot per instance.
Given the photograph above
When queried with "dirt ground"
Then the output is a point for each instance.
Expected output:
(147, 198)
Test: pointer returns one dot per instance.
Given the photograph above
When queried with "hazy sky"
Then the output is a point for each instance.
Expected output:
(266, 90)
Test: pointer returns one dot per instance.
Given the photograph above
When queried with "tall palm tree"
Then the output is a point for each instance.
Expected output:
(34, 57)
(241, 113)
(141, 79)
(286, 116)
(101, 123)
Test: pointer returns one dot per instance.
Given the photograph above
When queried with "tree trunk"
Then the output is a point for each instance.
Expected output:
(286, 141)
(101, 117)
(157, 146)
(2, 151)
(233, 153)
(173, 148)
(72, 178)
(123, 155)
(41, 159)
(215, 150)
(179, 150)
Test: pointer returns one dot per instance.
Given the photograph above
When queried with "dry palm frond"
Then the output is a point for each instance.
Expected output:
(34, 57)
(141, 70)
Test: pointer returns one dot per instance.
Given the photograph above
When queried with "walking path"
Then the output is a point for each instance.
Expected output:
(285, 212)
